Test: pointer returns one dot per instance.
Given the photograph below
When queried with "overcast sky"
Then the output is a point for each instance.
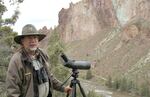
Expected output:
(39, 12)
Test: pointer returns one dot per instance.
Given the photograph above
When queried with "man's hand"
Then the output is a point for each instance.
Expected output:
(68, 89)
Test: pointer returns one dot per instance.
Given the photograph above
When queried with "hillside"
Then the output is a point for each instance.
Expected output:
(117, 51)
(114, 35)
(86, 18)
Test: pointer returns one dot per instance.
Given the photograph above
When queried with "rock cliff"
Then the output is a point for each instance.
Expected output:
(113, 33)
(129, 9)
(85, 18)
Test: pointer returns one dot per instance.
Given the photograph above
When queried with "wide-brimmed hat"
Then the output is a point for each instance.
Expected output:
(29, 30)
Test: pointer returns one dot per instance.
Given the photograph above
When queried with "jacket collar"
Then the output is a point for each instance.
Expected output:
(26, 58)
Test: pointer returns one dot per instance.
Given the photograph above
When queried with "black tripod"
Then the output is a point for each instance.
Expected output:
(73, 83)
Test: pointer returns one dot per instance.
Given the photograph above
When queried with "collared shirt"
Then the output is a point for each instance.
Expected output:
(44, 87)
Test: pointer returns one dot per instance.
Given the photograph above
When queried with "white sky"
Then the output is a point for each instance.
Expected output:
(39, 12)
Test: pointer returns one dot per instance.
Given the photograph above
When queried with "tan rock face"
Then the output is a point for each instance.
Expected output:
(130, 32)
(136, 29)
(105, 12)
(80, 23)
(128, 9)
(86, 18)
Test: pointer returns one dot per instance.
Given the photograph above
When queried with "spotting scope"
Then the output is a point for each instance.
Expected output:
(84, 65)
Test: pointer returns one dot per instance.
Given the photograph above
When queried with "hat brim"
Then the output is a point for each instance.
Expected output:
(18, 38)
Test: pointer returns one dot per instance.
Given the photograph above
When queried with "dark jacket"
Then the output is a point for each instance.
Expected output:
(20, 75)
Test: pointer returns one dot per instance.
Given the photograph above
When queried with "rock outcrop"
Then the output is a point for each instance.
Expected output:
(129, 9)
(86, 18)
(114, 34)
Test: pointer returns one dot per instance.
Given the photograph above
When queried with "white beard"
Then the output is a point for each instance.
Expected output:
(33, 49)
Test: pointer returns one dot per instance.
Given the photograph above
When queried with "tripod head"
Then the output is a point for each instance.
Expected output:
(75, 82)
(75, 65)
(75, 73)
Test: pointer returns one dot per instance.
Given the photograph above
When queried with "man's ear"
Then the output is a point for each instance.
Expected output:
(21, 41)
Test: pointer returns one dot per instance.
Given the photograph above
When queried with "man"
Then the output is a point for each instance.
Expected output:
(28, 74)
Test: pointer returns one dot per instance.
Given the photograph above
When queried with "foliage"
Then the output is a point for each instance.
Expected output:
(6, 40)
(3, 8)
(89, 74)
(116, 84)
(130, 86)
(4, 60)
(55, 47)
(60, 72)
(109, 82)
(5, 55)
(145, 90)
(123, 84)
(127, 85)
(2, 91)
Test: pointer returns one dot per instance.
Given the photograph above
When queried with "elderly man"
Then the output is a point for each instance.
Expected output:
(28, 74)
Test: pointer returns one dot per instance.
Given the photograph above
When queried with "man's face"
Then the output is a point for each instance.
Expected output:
(30, 42)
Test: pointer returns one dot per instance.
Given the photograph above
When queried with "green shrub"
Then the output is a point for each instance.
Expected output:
(89, 74)
(145, 90)
(109, 82)
(116, 84)
(123, 84)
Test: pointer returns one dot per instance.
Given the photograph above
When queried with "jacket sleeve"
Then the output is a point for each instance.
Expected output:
(57, 85)
(13, 82)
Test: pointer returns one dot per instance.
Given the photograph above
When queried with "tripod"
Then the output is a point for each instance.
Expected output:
(73, 83)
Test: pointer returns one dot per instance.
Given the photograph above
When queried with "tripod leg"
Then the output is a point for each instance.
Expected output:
(81, 89)
(73, 86)
(74, 90)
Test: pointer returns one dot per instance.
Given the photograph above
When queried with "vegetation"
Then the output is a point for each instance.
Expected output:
(3, 8)
(6, 35)
(145, 90)
(89, 74)
(109, 82)
(126, 85)
(6, 40)
(55, 48)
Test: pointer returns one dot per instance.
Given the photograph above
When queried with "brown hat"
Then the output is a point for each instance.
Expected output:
(29, 30)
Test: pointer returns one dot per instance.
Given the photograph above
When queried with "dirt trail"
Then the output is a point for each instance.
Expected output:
(91, 86)
(101, 90)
